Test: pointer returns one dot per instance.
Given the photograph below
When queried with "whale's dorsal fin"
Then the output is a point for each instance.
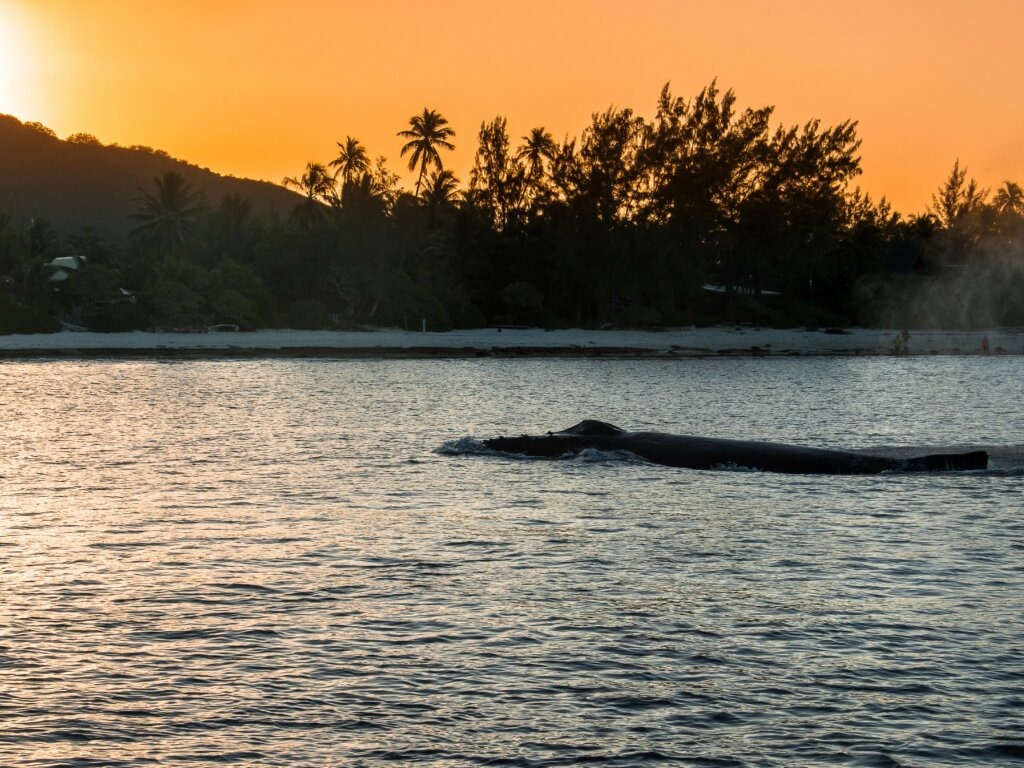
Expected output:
(593, 427)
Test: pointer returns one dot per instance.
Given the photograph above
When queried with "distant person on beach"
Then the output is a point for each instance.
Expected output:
(905, 338)
(896, 344)
(984, 345)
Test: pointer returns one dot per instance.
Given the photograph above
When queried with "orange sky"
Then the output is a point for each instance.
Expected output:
(258, 87)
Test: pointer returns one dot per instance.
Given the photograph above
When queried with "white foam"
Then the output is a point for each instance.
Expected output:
(595, 455)
(463, 446)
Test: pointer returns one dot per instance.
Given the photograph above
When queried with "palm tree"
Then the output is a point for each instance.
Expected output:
(426, 133)
(168, 217)
(1009, 199)
(441, 189)
(538, 149)
(538, 146)
(316, 183)
(352, 160)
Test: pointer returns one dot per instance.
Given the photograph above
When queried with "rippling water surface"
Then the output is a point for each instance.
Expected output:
(307, 563)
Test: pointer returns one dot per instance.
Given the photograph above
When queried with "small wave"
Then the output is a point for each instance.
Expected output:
(730, 466)
(594, 455)
(471, 446)
(464, 446)
(1011, 472)
(1003, 460)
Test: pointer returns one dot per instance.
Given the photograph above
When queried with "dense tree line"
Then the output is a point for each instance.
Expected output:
(705, 213)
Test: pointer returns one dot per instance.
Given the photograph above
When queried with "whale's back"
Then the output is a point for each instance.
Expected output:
(593, 428)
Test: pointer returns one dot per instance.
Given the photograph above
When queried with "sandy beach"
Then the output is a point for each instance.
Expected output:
(511, 342)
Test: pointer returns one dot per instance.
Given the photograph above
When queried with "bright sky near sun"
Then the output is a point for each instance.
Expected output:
(259, 87)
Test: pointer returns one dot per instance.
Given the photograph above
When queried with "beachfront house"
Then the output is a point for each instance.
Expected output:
(62, 267)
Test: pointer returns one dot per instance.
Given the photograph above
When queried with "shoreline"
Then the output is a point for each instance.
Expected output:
(683, 343)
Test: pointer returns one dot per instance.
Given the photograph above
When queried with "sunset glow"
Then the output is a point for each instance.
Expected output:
(16, 60)
(259, 88)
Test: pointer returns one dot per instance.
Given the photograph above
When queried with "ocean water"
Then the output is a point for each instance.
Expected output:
(314, 563)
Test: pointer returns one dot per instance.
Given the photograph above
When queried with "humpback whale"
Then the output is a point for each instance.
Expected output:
(713, 453)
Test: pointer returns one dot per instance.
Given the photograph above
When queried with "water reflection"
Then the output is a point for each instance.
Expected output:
(266, 562)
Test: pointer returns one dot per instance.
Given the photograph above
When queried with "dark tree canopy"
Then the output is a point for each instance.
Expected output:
(707, 212)
(167, 217)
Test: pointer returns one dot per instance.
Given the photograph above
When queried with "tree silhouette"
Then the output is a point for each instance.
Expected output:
(497, 179)
(1009, 199)
(957, 197)
(426, 133)
(538, 147)
(384, 183)
(168, 217)
(352, 161)
(317, 184)
(626, 223)
(604, 173)
(441, 189)
(538, 151)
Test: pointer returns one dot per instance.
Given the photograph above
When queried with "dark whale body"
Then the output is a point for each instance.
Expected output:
(712, 453)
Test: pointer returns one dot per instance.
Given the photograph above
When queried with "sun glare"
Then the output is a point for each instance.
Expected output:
(16, 91)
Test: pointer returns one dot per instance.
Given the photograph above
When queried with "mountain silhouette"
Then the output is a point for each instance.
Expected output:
(80, 182)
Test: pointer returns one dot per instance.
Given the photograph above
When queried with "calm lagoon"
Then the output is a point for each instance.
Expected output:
(312, 563)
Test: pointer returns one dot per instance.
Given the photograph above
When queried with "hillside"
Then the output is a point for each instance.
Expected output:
(84, 183)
